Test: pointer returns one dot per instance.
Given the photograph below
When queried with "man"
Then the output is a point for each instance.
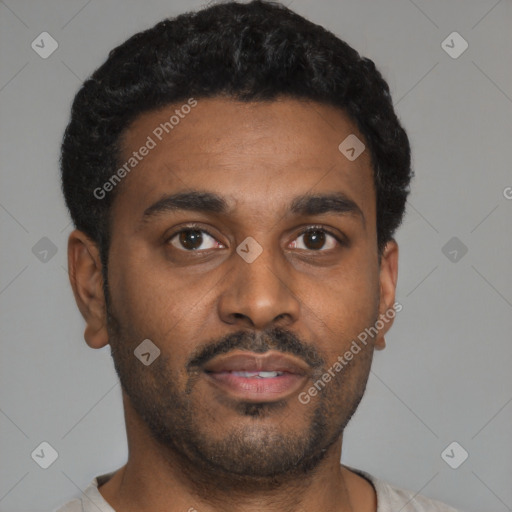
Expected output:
(236, 176)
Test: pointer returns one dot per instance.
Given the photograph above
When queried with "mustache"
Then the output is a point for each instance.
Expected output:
(260, 342)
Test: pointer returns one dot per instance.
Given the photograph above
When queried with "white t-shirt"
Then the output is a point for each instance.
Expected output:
(389, 498)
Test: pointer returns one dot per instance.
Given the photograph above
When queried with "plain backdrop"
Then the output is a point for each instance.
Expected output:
(445, 375)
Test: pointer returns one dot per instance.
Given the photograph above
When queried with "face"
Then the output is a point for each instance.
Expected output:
(224, 255)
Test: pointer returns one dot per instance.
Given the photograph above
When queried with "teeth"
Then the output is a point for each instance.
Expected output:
(266, 375)
(245, 374)
(261, 375)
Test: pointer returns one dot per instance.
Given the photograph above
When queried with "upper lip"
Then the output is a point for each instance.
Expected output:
(252, 362)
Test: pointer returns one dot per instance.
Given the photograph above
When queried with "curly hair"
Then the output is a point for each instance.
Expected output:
(248, 52)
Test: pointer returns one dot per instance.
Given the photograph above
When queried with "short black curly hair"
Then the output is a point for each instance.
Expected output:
(256, 51)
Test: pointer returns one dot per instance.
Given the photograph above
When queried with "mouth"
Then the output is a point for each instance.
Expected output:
(255, 377)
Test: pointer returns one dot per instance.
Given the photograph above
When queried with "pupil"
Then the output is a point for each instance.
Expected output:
(191, 239)
(317, 237)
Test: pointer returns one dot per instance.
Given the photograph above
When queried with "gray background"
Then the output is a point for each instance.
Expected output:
(445, 375)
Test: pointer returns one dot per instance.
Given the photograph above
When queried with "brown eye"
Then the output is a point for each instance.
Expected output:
(315, 239)
(193, 240)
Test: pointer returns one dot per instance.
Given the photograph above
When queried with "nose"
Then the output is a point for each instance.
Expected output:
(260, 294)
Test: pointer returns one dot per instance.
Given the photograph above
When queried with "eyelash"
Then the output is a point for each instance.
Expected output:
(197, 227)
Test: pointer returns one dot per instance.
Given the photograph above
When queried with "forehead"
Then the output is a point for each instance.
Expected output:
(258, 155)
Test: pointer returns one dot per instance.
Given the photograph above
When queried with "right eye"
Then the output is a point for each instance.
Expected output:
(192, 238)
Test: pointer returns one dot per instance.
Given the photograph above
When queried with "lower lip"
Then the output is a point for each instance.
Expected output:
(258, 389)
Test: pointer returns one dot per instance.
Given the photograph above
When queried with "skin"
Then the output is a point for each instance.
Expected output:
(189, 444)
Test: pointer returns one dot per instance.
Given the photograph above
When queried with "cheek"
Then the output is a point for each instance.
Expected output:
(343, 305)
(151, 302)
(141, 296)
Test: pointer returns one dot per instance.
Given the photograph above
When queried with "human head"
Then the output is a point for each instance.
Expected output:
(249, 52)
(251, 66)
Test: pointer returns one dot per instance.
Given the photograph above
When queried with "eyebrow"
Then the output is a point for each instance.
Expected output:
(210, 202)
(317, 204)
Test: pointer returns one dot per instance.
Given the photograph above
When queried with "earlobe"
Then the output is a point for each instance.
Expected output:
(85, 275)
(380, 343)
(388, 279)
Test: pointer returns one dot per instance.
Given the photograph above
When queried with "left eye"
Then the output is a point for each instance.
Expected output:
(315, 239)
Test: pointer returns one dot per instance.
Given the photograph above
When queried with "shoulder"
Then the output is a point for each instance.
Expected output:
(71, 506)
(391, 498)
(91, 500)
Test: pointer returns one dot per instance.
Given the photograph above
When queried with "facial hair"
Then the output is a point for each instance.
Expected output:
(255, 451)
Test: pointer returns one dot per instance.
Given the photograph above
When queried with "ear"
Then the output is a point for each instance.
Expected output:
(86, 279)
(388, 278)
